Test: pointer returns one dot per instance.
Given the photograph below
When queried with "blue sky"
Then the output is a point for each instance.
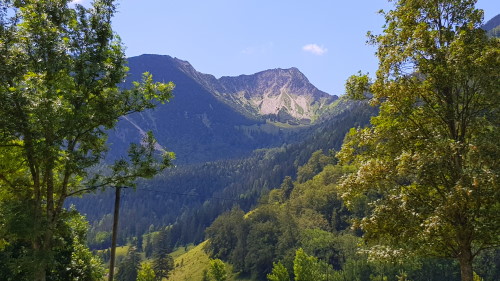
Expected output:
(325, 39)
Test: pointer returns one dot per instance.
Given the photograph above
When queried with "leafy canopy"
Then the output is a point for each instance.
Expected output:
(429, 162)
(60, 67)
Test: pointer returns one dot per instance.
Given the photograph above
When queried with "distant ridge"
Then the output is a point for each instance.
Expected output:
(492, 23)
(282, 95)
(210, 119)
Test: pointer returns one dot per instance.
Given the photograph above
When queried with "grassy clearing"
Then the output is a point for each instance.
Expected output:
(189, 265)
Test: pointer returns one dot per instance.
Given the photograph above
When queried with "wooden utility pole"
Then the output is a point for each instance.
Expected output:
(114, 235)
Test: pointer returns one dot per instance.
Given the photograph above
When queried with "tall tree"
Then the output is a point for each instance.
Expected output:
(218, 270)
(430, 161)
(163, 263)
(305, 267)
(146, 273)
(60, 67)
(129, 266)
(279, 273)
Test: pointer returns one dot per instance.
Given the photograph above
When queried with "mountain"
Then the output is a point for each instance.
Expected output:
(190, 197)
(492, 23)
(283, 95)
(210, 119)
(227, 145)
(493, 26)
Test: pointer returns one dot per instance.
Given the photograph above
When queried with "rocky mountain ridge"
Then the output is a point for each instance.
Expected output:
(283, 95)
(210, 119)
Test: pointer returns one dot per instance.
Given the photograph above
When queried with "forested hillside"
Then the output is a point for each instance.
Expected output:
(209, 119)
(305, 222)
(190, 197)
(252, 177)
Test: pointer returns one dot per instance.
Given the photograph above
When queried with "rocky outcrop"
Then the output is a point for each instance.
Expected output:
(283, 95)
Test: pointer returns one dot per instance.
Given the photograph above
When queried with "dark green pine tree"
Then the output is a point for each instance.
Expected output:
(129, 267)
(148, 249)
(139, 242)
(163, 241)
(163, 264)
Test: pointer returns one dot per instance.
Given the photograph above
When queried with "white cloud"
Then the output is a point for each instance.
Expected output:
(315, 49)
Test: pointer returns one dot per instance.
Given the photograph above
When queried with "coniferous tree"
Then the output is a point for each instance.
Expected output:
(138, 243)
(163, 263)
(163, 241)
(129, 266)
(148, 249)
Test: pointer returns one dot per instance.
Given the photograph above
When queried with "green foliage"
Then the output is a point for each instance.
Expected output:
(83, 265)
(163, 241)
(72, 258)
(305, 267)
(315, 165)
(163, 263)
(315, 219)
(274, 230)
(58, 95)
(428, 165)
(357, 86)
(146, 273)
(148, 249)
(218, 270)
(223, 233)
(129, 266)
(240, 179)
(279, 273)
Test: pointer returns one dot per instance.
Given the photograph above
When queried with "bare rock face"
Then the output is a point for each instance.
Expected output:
(281, 95)
(210, 119)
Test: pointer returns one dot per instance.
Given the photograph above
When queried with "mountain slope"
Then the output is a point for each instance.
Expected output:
(492, 27)
(283, 95)
(194, 124)
(222, 152)
(190, 196)
(210, 119)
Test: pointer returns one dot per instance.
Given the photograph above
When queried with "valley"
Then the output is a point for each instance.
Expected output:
(259, 176)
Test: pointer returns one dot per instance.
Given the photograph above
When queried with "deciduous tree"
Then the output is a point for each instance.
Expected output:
(218, 270)
(429, 163)
(60, 67)
(305, 267)
(146, 273)
(279, 273)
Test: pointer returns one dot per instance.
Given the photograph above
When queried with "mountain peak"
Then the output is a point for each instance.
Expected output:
(282, 95)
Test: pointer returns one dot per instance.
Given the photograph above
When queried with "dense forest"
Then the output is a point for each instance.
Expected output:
(309, 214)
(190, 197)
(396, 180)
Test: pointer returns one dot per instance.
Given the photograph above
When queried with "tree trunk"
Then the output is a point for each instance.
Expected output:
(465, 260)
(39, 273)
(114, 236)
